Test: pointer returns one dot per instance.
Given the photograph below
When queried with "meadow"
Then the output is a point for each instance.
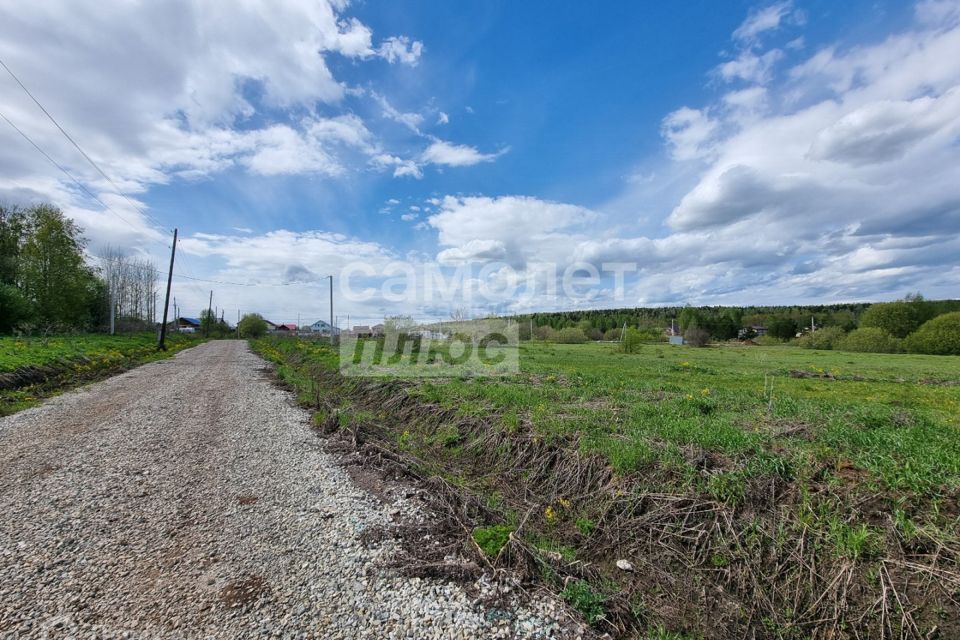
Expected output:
(35, 368)
(779, 491)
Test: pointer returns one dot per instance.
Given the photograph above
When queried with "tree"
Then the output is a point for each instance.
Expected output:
(14, 308)
(940, 336)
(632, 339)
(900, 318)
(52, 271)
(782, 328)
(689, 318)
(252, 325)
(12, 235)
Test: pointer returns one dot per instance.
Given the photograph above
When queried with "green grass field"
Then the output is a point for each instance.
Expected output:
(813, 489)
(32, 369)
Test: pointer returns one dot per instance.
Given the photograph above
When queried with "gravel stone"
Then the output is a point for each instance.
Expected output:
(189, 498)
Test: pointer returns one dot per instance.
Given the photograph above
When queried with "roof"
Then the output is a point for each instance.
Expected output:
(289, 326)
(320, 323)
(192, 321)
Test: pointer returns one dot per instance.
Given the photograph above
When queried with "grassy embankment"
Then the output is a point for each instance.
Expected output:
(773, 491)
(36, 368)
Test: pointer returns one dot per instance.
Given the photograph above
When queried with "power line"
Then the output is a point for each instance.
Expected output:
(75, 144)
(67, 173)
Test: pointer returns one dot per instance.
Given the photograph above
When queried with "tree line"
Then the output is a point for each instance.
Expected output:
(46, 284)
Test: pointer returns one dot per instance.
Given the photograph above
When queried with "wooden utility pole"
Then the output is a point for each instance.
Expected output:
(331, 309)
(161, 343)
(209, 315)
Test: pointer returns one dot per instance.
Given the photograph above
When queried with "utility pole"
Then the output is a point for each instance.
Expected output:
(209, 315)
(161, 343)
(113, 308)
(238, 324)
(331, 310)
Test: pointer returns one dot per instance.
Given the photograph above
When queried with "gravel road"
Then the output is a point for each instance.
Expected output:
(189, 498)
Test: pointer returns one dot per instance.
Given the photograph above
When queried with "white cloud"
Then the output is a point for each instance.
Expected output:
(514, 228)
(443, 118)
(750, 67)
(768, 18)
(177, 104)
(401, 49)
(410, 120)
(689, 132)
(408, 217)
(456, 155)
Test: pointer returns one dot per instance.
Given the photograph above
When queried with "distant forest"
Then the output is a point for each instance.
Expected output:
(722, 323)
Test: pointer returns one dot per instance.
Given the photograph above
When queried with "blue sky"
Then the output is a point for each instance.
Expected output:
(728, 152)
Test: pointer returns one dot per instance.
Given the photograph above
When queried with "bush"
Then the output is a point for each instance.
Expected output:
(826, 338)
(696, 337)
(613, 335)
(14, 308)
(940, 336)
(571, 335)
(631, 341)
(899, 319)
(870, 340)
(253, 325)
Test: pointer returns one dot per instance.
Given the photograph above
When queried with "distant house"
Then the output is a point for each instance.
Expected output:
(361, 331)
(288, 327)
(271, 326)
(377, 330)
(187, 325)
(753, 331)
(324, 328)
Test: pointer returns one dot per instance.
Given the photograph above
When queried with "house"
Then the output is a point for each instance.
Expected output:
(271, 326)
(377, 330)
(323, 328)
(287, 327)
(753, 331)
(361, 331)
(187, 325)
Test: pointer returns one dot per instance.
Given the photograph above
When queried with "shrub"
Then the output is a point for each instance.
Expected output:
(696, 337)
(253, 325)
(14, 308)
(571, 335)
(613, 335)
(940, 336)
(898, 319)
(492, 539)
(826, 338)
(870, 340)
(631, 341)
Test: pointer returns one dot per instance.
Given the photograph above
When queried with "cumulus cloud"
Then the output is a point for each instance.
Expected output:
(689, 132)
(750, 67)
(401, 49)
(179, 102)
(765, 19)
(456, 155)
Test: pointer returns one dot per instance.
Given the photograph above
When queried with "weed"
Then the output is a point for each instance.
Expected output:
(584, 599)
(492, 539)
